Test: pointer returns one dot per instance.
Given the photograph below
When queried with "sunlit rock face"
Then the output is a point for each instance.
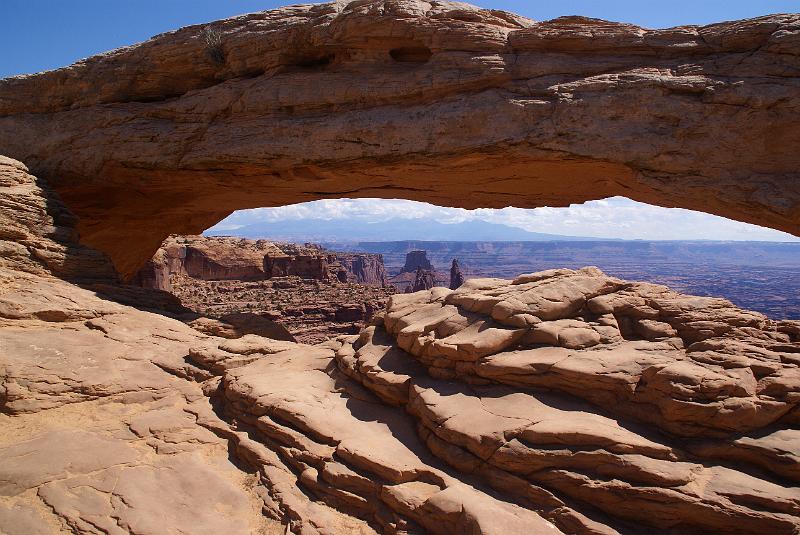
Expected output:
(439, 102)
(563, 401)
(606, 406)
(456, 277)
(230, 258)
(285, 291)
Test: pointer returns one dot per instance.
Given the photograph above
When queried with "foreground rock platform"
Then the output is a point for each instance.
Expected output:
(328, 100)
(580, 394)
(563, 401)
(480, 427)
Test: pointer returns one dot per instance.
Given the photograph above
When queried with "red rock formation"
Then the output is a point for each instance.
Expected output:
(279, 290)
(560, 402)
(38, 231)
(688, 372)
(416, 274)
(238, 324)
(153, 274)
(423, 280)
(456, 277)
(174, 133)
(361, 268)
(311, 310)
(307, 266)
(228, 258)
(416, 260)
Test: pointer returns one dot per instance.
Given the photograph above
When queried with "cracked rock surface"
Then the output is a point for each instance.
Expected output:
(549, 389)
(563, 401)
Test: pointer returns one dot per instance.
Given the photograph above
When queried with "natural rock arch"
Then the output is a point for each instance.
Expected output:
(432, 101)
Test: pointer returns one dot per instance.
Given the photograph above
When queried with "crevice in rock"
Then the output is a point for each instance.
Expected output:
(411, 54)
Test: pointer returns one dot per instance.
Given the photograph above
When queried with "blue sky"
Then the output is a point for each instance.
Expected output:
(45, 34)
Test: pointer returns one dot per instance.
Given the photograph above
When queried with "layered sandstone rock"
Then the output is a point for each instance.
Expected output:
(560, 402)
(284, 291)
(416, 274)
(606, 406)
(95, 435)
(361, 268)
(311, 311)
(416, 260)
(112, 415)
(541, 390)
(456, 277)
(37, 233)
(229, 258)
(432, 101)
(423, 280)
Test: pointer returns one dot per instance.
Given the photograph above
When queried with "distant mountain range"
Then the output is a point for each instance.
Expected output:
(397, 229)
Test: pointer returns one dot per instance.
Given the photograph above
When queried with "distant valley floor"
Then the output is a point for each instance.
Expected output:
(760, 276)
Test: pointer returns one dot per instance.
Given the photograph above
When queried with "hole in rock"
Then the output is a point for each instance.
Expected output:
(314, 61)
(323, 268)
(411, 54)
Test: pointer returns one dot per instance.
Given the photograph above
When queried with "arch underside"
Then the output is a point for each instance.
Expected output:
(444, 104)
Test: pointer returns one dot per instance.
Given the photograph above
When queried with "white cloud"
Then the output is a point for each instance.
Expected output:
(615, 217)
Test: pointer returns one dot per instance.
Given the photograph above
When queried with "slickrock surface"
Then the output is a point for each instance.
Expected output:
(576, 394)
(95, 435)
(358, 437)
(561, 402)
(119, 420)
(427, 100)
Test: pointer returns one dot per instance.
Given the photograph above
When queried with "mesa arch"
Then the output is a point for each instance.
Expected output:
(430, 101)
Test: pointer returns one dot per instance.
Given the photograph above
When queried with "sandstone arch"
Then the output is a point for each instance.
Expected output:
(431, 101)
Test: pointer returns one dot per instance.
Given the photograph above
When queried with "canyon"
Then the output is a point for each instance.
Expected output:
(416, 273)
(759, 276)
(230, 258)
(303, 292)
(560, 400)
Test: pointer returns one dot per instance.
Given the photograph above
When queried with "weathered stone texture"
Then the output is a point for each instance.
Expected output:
(432, 101)
(563, 401)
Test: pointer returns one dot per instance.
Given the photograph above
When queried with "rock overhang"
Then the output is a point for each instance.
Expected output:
(431, 101)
